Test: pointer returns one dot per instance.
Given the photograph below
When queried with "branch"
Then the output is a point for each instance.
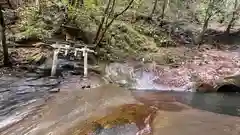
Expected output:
(10, 5)
(110, 23)
(102, 21)
(111, 11)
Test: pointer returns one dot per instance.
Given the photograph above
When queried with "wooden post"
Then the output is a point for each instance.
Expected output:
(85, 51)
(85, 55)
(55, 60)
(66, 50)
(37, 4)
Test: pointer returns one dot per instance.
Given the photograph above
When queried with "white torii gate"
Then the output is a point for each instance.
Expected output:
(57, 48)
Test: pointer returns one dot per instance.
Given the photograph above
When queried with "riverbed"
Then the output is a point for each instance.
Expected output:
(28, 107)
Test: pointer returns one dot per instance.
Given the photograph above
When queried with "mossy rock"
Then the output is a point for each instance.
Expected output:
(229, 84)
(225, 85)
(37, 58)
(125, 114)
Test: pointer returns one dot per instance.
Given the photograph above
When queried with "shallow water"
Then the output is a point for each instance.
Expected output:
(21, 96)
(221, 103)
(126, 129)
(181, 113)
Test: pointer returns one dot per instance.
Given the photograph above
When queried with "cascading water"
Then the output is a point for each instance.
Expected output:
(140, 79)
(146, 81)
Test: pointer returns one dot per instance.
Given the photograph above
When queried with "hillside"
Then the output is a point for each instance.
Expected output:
(168, 33)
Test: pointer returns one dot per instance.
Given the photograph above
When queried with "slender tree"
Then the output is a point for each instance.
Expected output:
(154, 8)
(102, 22)
(234, 16)
(114, 18)
(213, 7)
(6, 61)
(164, 8)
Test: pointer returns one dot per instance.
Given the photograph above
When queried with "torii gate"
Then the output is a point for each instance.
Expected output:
(66, 48)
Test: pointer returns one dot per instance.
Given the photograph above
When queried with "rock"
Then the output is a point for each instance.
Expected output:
(10, 16)
(37, 58)
(204, 87)
(120, 73)
(39, 44)
(86, 87)
(62, 65)
(54, 90)
(229, 88)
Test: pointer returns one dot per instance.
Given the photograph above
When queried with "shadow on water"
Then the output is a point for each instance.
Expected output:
(222, 103)
(151, 93)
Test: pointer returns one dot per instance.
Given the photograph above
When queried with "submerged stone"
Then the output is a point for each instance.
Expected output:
(126, 129)
(132, 118)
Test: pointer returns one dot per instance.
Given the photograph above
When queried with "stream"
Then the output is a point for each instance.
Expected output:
(24, 96)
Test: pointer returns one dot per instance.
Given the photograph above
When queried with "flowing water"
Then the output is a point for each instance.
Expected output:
(147, 110)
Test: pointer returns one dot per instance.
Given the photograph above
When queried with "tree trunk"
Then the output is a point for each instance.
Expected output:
(110, 23)
(165, 4)
(231, 23)
(38, 5)
(205, 24)
(78, 3)
(102, 22)
(204, 28)
(154, 8)
(3, 38)
(81, 3)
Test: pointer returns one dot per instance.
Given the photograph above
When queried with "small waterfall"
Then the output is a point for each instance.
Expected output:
(145, 81)
(139, 79)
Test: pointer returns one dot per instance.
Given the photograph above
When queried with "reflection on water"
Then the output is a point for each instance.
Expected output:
(214, 102)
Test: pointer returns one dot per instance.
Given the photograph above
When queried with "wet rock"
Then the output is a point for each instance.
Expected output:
(37, 58)
(86, 87)
(54, 90)
(229, 84)
(120, 73)
(204, 87)
(229, 88)
(136, 117)
(127, 129)
(63, 65)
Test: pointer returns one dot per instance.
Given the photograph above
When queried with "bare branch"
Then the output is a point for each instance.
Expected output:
(102, 21)
(110, 23)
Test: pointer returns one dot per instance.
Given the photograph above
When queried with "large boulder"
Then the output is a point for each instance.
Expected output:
(120, 73)
(225, 85)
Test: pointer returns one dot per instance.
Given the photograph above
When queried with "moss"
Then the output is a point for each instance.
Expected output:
(44, 24)
(129, 113)
(37, 58)
(82, 19)
(33, 24)
(122, 41)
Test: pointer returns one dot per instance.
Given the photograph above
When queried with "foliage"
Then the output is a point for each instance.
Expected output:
(82, 19)
(210, 8)
(123, 41)
(31, 24)
(132, 33)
